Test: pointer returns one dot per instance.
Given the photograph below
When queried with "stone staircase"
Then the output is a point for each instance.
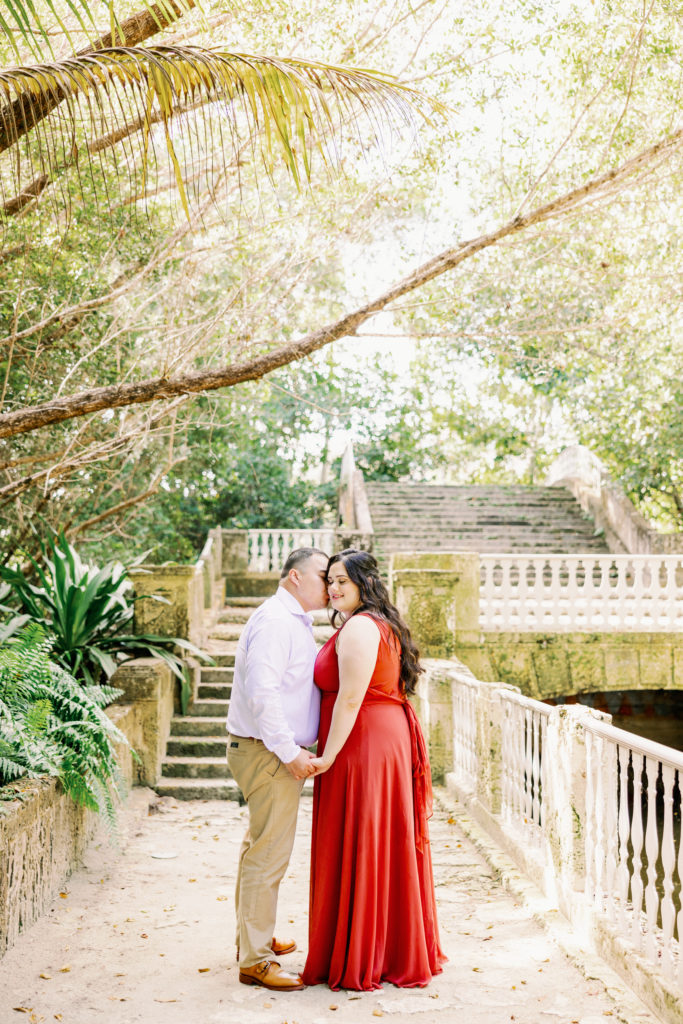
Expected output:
(486, 518)
(195, 766)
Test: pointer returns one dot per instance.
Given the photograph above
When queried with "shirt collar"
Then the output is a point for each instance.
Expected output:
(292, 605)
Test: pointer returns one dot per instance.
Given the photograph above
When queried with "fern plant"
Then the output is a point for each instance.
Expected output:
(52, 725)
(88, 611)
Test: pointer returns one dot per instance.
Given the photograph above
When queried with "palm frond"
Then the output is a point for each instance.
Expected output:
(288, 111)
(23, 20)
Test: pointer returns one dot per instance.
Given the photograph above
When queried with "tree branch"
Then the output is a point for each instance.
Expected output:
(19, 117)
(119, 395)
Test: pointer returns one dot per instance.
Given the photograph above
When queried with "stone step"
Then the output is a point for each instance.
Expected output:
(197, 746)
(231, 614)
(199, 789)
(230, 631)
(209, 707)
(195, 768)
(217, 674)
(222, 651)
(188, 725)
(219, 691)
(226, 631)
(481, 493)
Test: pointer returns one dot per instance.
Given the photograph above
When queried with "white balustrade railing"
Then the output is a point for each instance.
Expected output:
(634, 857)
(555, 593)
(524, 784)
(269, 549)
(593, 811)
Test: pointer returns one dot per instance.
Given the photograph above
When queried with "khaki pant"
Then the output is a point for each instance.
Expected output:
(272, 796)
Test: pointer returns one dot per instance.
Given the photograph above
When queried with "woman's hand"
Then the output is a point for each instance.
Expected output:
(321, 764)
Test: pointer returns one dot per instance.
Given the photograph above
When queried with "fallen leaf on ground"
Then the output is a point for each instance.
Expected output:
(144, 935)
(58, 1016)
(22, 1009)
(65, 969)
(203, 970)
(48, 977)
(192, 879)
(165, 1000)
(377, 1013)
(333, 1006)
(221, 899)
(63, 895)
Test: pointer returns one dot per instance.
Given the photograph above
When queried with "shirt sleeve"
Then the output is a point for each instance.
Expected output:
(266, 663)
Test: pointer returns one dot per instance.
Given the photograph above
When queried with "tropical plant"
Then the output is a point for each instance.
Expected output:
(88, 611)
(52, 725)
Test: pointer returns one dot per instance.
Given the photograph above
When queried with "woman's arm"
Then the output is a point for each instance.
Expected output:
(357, 654)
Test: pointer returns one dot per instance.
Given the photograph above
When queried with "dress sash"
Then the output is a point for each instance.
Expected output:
(423, 802)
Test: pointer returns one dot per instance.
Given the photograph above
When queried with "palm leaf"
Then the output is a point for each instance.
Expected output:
(33, 24)
(291, 109)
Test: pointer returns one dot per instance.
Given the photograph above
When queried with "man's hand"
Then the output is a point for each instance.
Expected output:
(301, 766)
(321, 764)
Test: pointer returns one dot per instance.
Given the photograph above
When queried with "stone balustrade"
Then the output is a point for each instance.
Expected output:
(591, 813)
(593, 593)
(268, 550)
(579, 470)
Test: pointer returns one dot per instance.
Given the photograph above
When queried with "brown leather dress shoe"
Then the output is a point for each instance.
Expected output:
(269, 974)
(279, 948)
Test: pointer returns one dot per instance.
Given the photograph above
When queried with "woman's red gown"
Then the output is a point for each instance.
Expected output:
(372, 907)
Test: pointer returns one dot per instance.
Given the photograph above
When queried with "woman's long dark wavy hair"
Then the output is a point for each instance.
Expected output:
(362, 570)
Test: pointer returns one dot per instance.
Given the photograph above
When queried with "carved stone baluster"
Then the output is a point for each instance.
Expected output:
(668, 862)
(545, 776)
(599, 862)
(528, 765)
(651, 849)
(507, 606)
(530, 593)
(572, 611)
(637, 844)
(508, 762)
(536, 770)
(263, 554)
(589, 839)
(611, 827)
(622, 878)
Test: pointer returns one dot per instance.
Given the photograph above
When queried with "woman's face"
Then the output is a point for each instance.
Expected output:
(344, 593)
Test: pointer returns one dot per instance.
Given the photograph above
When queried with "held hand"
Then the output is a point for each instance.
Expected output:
(321, 764)
(302, 765)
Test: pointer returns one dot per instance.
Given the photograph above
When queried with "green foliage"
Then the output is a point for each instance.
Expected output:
(52, 725)
(88, 611)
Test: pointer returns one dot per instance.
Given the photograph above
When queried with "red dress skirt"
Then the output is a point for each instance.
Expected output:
(372, 907)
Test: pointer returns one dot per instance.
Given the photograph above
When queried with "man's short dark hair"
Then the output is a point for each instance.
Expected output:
(298, 556)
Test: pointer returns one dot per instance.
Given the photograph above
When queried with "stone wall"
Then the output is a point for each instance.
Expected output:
(547, 665)
(44, 834)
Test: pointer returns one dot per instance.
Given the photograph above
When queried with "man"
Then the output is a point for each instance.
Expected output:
(273, 717)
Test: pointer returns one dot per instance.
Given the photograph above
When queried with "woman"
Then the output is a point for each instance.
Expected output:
(372, 907)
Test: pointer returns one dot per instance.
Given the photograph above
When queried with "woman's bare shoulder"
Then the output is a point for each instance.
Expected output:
(360, 628)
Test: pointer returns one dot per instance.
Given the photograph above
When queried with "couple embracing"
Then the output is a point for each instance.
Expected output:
(372, 908)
